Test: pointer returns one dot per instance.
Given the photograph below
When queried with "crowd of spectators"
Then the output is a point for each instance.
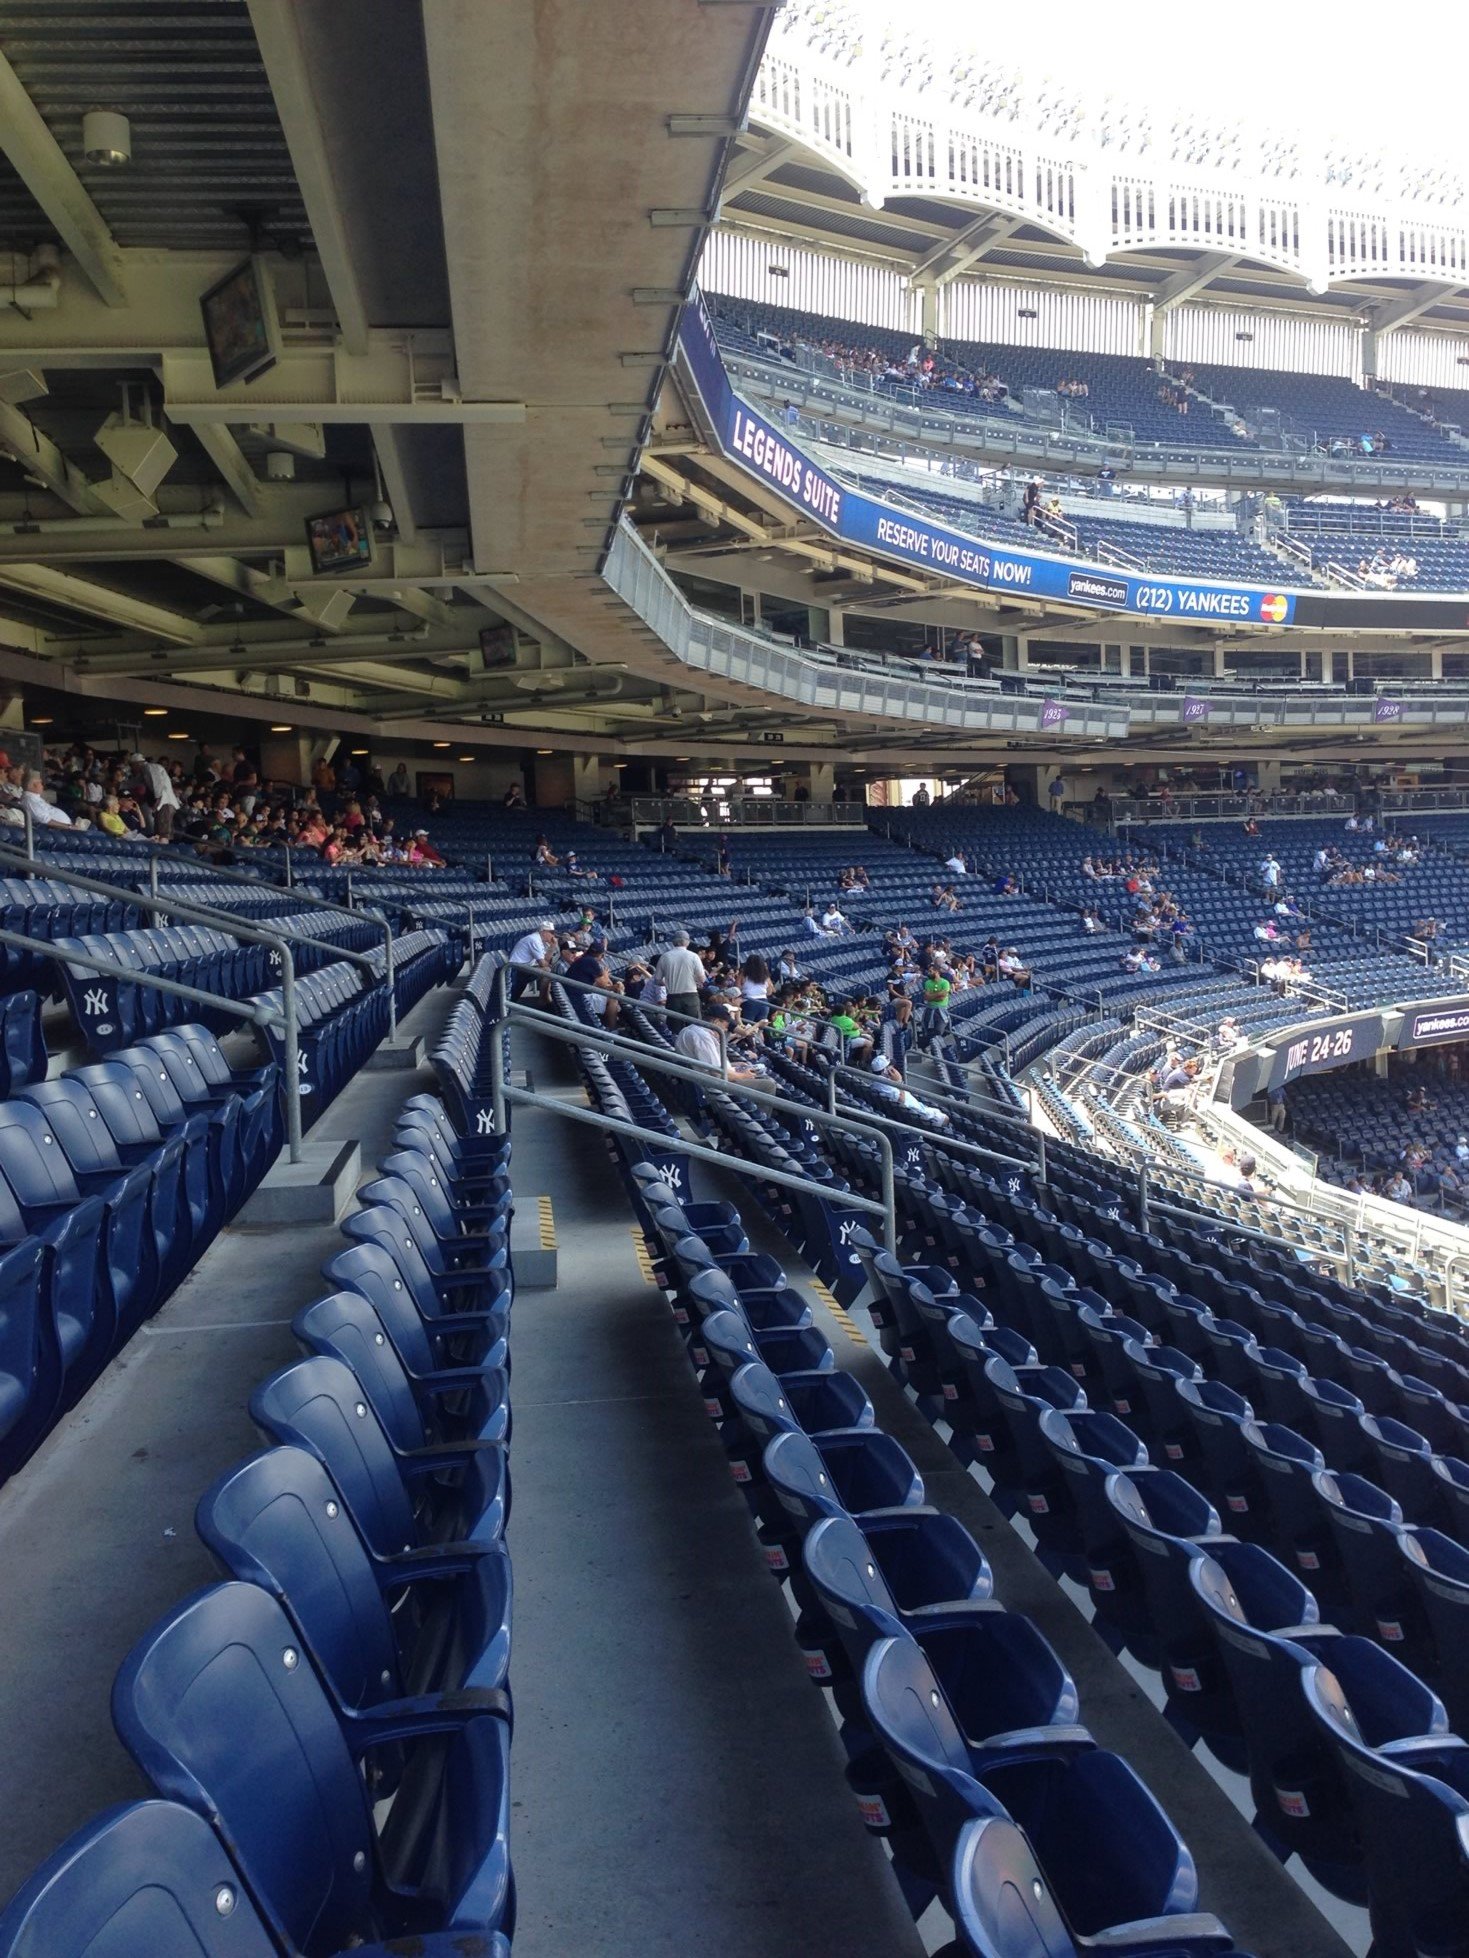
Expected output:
(215, 806)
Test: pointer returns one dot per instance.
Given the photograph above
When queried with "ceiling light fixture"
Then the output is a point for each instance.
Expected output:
(545, 751)
(176, 735)
(154, 713)
(282, 727)
(443, 744)
(466, 757)
(359, 751)
(107, 138)
(40, 720)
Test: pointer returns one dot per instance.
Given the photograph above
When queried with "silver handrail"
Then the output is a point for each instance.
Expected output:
(503, 1009)
(310, 898)
(262, 1016)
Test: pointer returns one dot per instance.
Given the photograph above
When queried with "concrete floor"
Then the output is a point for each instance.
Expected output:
(678, 1783)
(96, 1532)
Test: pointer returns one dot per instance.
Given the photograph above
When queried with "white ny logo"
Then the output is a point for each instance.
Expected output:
(95, 1000)
(1012, 1184)
(484, 1123)
(301, 1063)
(671, 1174)
(844, 1233)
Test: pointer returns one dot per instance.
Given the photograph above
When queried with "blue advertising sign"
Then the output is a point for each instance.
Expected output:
(745, 437)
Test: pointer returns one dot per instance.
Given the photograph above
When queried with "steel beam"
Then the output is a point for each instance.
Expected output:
(42, 166)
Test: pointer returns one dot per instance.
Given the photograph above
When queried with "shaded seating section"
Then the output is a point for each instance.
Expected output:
(112, 1185)
(951, 1707)
(1308, 411)
(328, 1729)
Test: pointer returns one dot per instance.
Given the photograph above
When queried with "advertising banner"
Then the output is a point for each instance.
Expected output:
(1425, 1025)
(747, 438)
(1336, 1045)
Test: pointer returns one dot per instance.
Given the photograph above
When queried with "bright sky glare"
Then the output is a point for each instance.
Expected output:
(1299, 66)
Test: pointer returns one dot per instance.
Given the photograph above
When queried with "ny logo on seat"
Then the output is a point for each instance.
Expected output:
(484, 1123)
(94, 1000)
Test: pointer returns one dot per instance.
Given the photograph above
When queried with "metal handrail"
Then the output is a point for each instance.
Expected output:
(368, 911)
(262, 1016)
(205, 914)
(504, 1009)
(961, 1145)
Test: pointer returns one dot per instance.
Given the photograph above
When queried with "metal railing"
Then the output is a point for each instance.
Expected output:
(505, 1011)
(254, 933)
(751, 659)
(284, 1022)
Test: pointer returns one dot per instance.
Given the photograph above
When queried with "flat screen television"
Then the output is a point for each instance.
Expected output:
(340, 540)
(240, 325)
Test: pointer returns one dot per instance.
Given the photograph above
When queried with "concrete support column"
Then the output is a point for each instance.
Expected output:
(930, 319)
(587, 777)
(836, 625)
(823, 779)
(1435, 662)
(1328, 667)
(1218, 669)
(1014, 653)
(1268, 773)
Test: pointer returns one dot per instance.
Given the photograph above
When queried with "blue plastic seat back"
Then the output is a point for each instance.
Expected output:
(1413, 1811)
(1003, 1906)
(318, 1405)
(289, 1801)
(343, 1326)
(279, 1521)
(151, 1878)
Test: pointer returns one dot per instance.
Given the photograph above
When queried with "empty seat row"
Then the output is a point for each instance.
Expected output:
(327, 1730)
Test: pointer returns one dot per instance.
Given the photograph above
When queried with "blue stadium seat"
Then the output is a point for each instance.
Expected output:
(292, 1807)
(405, 1630)
(440, 1404)
(1108, 1852)
(397, 1498)
(154, 1878)
(1412, 1805)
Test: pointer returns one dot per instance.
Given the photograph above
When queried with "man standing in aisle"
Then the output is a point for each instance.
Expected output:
(682, 973)
(165, 802)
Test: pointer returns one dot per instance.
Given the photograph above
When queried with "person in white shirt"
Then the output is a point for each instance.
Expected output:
(1270, 873)
(889, 1084)
(41, 810)
(833, 923)
(701, 1043)
(534, 948)
(957, 865)
(681, 972)
(165, 801)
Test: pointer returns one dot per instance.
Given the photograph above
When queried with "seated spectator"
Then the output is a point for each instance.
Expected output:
(788, 967)
(812, 925)
(889, 1083)
(1011, 966)
(545, 856)
(833, 923)
(956, 864)
(590, 969)
(700, 1043)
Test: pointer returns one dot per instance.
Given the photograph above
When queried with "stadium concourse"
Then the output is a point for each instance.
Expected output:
(734, 985)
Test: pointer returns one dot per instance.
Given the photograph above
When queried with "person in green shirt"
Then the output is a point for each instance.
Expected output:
(856, 1045)
(937, 990)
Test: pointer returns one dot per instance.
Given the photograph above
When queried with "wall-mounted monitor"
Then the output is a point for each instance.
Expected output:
(240, 325)
(340, 540)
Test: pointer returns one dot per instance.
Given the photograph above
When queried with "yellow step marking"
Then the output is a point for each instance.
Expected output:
(640, 1252)
(547, 1223)
(843, 1319)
